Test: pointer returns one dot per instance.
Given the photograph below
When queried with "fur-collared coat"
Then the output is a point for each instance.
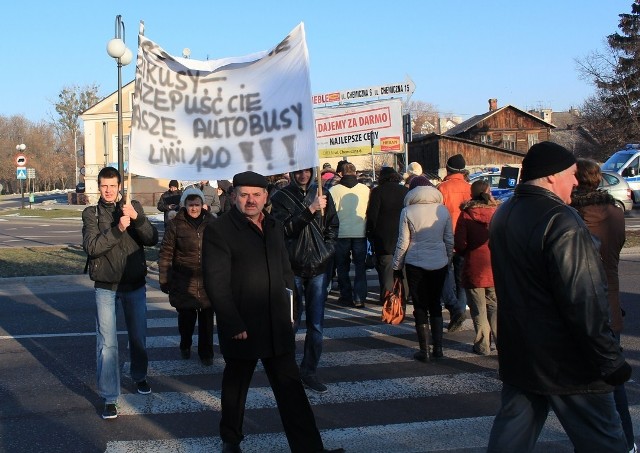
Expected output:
(606, 223)
(471, 240)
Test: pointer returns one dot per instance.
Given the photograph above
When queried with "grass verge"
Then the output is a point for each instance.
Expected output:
(70, 260)
(38, 261)
(43, 213)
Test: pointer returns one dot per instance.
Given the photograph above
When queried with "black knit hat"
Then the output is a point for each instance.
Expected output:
(456, 163)
(544, 159)
(249, 179)
(386, 172)
(173, 183)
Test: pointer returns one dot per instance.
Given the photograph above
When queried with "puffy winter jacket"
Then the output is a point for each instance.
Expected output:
(180, 261)
(426, 233)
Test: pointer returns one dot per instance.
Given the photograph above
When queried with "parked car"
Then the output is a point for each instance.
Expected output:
(619, 189)
(493, 176)
(612, 182)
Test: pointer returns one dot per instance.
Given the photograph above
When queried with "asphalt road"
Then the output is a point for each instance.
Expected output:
(379, 399)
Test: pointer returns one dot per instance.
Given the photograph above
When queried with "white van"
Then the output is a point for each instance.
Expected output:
(626, 163)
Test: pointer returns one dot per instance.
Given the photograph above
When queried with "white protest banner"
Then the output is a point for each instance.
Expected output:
(349, 130)
(197, 120)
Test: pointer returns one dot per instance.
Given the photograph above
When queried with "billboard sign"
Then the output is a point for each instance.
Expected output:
(351, 130)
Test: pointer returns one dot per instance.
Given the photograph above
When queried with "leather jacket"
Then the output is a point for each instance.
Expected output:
(553, 314)
(310, 238)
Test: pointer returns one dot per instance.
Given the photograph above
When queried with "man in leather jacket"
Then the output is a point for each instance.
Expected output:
(114, 235)
(310, 238)
(556, 349)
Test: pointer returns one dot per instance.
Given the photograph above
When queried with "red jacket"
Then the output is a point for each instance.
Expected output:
(471, 240)
(455, 190)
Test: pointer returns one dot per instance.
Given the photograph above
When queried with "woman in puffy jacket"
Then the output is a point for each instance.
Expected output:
(424, 248)
(180, 265)
(472, 243)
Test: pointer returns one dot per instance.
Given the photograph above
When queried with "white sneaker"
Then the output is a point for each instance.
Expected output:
(634, 449)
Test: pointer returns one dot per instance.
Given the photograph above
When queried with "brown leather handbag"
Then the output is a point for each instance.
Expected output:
(394, 300)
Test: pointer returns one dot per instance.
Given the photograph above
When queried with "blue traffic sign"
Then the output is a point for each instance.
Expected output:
(21, 173)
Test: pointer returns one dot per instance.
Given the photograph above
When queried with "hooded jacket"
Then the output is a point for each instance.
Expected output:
(426, 233)
(310, 238)
(606, 222)
(553, 313)
(471, 240)
(351, 199)
(180, 261)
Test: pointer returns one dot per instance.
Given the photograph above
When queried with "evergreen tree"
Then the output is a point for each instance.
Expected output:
(612, 114)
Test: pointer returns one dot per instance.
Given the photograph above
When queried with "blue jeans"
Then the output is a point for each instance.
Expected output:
(134, 305)
(356, 249)
(312, 292)
(453, 294)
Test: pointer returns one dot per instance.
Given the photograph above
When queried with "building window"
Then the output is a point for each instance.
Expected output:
(532, 139)
(486, 139)
(113, 161)
(509, 141)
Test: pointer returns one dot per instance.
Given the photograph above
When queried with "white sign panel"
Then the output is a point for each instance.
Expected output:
(350, 130)
(204, 120)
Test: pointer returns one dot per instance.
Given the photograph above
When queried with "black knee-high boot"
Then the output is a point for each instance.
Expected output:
(424, 354)
(436, 331)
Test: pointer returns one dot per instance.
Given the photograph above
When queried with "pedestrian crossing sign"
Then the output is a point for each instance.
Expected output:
(21, 173)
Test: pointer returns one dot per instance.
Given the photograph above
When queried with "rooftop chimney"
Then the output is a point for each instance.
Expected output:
(493, 104)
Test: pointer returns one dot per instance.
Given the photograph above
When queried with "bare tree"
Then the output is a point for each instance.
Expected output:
(72, 101)
(424, 117)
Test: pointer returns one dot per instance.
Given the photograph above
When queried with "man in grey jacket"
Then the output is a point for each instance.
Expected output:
(113, 236)
(556, 349)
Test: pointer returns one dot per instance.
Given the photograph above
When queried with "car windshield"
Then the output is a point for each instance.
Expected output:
(615, 162)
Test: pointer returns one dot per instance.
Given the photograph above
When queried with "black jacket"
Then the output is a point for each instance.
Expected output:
(116, 259)
(553, 314)
(246, 273)
(310, 237)
(166, 199)
(383, 216)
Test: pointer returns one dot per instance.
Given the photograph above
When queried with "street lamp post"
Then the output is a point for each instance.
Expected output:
(117, 49)
(20, 148)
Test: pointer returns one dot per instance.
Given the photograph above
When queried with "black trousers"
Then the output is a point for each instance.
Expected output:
(425, 287)
(295, 411)
(186, 324)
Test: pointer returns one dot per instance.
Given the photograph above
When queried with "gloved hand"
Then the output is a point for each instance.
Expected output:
(397, 273)
(164, 289)
(619, 376)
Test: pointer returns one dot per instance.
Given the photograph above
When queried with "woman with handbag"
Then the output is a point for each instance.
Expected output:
(424, 248)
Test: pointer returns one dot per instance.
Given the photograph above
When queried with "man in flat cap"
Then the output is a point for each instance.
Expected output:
(246, 271)
(556, 348)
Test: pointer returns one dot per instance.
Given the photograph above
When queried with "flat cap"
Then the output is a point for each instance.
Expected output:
(249, 179)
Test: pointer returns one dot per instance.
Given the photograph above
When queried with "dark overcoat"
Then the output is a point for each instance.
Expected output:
(246, 272)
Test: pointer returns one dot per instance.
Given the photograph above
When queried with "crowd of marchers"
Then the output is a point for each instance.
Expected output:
(540, 268)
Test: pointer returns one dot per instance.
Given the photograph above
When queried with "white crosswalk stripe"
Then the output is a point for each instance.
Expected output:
(375, 366)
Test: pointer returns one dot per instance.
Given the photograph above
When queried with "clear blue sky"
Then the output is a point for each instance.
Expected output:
(459, 53)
